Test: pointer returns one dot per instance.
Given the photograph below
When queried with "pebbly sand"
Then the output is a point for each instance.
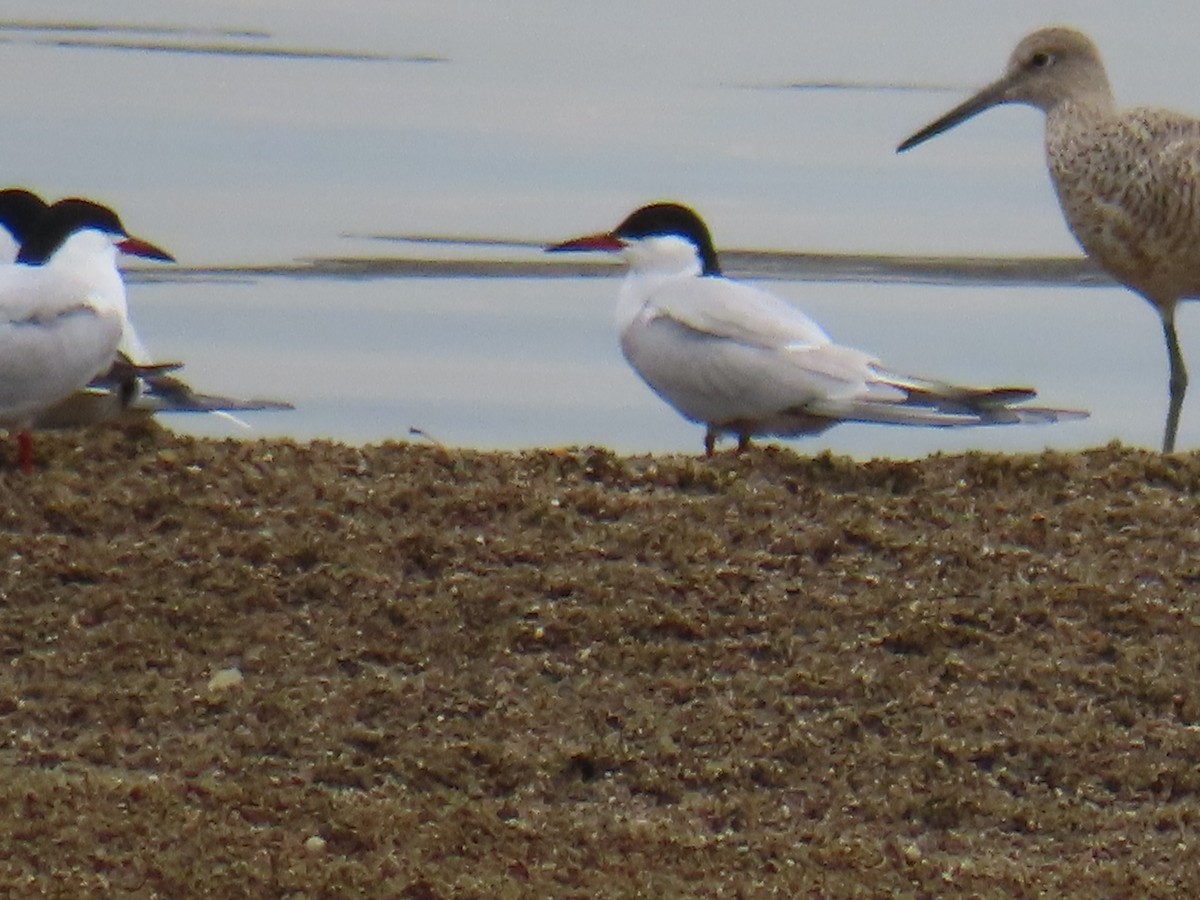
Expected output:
(276, 670)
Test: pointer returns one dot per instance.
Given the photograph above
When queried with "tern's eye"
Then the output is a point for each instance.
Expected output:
(1041, 60)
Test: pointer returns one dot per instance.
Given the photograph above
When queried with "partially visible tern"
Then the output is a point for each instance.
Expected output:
(134, 385)
(1126, 178)
(61, 320)
(744, 362)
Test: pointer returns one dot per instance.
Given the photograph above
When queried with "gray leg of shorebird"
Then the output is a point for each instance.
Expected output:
(743, 442)
(1178, 380)
(710, 442)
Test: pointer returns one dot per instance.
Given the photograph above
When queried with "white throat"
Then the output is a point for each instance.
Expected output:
(89, 258)
(652, 261)
(663, 255)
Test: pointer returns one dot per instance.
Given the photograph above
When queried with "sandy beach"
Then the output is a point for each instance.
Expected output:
(311, 670)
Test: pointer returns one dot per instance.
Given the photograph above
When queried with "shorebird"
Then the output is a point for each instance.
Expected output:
(61, 320)
(1126, 178)
(133, 385)
(742, 361)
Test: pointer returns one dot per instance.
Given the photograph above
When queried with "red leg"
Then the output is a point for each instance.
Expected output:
(25, 451)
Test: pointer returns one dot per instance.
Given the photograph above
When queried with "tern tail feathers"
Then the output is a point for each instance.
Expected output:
(934, 417)
(943, 405)
(166, 394)
(938, 393)
(123, 369)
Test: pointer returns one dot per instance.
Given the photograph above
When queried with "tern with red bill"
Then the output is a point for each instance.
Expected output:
(62, 319)
(1126, 178)
(134, 386)
(743, 362)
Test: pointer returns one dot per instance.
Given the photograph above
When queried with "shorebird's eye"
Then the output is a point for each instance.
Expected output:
(1041, 59)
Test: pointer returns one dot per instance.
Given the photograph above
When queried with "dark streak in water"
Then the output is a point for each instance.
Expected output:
(449, 239)
(870, 86)
(757, 264)
(786, 265)
(234, 50)
(161, 39)
(945, 270)
(115, 28)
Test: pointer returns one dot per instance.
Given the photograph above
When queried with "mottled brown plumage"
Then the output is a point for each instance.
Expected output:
(1126, 178)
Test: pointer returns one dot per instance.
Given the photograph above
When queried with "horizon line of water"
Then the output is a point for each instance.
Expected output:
(765, 265)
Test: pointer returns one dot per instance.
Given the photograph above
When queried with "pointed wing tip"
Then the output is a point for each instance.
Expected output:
(1063, 415)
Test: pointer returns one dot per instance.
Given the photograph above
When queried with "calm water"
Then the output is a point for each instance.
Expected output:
(243, 135)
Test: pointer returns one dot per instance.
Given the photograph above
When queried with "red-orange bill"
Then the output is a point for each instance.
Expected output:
(137, 247)
(607, 242)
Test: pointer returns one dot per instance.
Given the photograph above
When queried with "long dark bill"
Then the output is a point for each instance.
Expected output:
(992, 95)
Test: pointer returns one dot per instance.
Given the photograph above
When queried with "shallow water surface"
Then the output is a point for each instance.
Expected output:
(316, 171)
